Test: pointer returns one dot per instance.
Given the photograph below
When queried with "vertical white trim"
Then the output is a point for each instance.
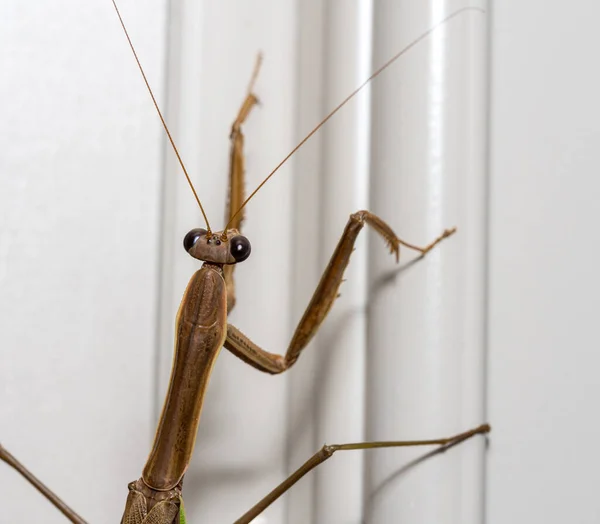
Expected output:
(327, 393)
(341, 344)
(301, 421)
(426, 321)
(79, 182)
(241, 442)
(240, 447)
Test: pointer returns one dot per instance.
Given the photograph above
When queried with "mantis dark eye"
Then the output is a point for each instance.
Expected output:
(239, 247)
(192, 237)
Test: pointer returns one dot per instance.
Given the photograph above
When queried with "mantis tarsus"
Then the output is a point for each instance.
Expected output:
(270, 362)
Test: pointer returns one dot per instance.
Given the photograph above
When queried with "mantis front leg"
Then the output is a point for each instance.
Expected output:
(314, 315)
(323, 297)
(236, 174)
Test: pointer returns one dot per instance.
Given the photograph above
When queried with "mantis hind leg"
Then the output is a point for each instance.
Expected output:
(12, 461)
(236, 175)
(328, 450)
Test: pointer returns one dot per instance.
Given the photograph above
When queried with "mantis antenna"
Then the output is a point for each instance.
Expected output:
(349, 97)
(162, 119)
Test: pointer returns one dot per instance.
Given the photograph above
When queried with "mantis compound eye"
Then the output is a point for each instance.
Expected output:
(239, 247)
(192, 237)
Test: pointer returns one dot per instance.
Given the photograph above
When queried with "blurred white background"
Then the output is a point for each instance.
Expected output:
(489, 124)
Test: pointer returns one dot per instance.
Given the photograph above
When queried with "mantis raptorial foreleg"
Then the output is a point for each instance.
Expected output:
(236, 175)
(327, 290)
(315, 313)
(323, 297)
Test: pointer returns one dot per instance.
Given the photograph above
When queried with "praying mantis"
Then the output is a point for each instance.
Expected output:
(379, 246)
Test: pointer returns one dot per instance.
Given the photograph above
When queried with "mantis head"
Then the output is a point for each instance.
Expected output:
(226, 247)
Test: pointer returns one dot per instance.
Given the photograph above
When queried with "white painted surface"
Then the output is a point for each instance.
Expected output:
(340, 405)
(302, 424)
(425, 326)
(80, 177)
(241, 442)
(101, 230)
(330, 400)
(544, 285)
(79, 182)
(91, 202)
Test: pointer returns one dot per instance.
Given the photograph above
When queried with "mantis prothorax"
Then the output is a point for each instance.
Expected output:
(202, 329)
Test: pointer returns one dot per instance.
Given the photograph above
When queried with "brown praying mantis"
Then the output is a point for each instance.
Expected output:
(164, 464)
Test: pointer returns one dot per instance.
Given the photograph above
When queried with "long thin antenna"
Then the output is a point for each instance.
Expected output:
(161, 117)
(348, 98)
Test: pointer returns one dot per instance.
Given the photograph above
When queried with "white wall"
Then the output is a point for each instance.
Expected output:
(426, 321)
(241, 446)
(80, 174)
(83, 234)
(91, 268)
(544, 288)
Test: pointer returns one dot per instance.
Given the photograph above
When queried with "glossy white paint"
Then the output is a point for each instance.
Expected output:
(99, 277)
(328, 388)
(240, 452)
(80, 176)
(544, 286)
(81, 191)
(426, 339)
